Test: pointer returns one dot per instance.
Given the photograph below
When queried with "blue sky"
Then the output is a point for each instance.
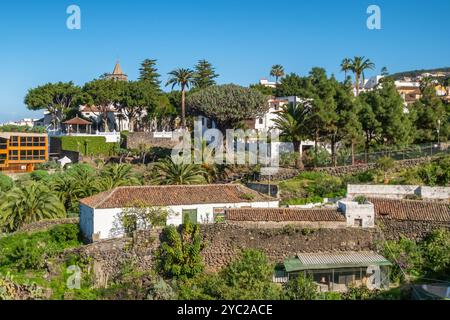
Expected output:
(242, 38)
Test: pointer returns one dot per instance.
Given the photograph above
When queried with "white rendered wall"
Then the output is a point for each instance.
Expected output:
(106, 222)
(354, 211)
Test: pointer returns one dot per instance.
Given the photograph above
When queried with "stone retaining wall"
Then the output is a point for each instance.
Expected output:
(225, 241)
(46, 224)
(415, 230)
(345, 170)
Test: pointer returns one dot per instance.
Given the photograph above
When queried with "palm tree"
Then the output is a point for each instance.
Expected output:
(31, 203)
(358, 66)
(346, 66)
(119, 175)
(182, 78)
(86, 178)
(69, 190)
(292, 123)
(277, 72)
(178, 173)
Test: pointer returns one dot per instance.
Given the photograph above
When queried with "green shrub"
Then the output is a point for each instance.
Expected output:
(360, 293)
(307, 231)
(248, 196)
(320, 158)
(289, 229)
(249, 277)
(311, 175)
(39, 175)
(304, 201)
(65, 234)
(49, 165)
(360, 199)
(300, 288)
(29, 250)
(6, 183)
(329, 187)
(436, 251)
(88, 145)
(361, 177)
(27, 255)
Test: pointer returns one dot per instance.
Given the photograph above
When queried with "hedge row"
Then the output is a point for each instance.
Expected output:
(88, 146)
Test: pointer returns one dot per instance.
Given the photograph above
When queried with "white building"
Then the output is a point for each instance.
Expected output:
(27, 122)
(99, 215)
(267, 83)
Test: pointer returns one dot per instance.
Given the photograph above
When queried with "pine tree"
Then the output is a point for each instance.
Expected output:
(149, 72)
(204, 75)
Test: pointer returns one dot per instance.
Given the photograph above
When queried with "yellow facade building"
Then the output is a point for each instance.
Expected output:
(20, 152)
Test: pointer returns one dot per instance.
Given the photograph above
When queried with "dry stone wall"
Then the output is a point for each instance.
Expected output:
(46, 224)
(345, 170)
(225, 241)
(415, 230)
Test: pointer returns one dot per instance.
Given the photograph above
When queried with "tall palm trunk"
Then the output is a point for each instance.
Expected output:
(358, 76)
(299, 161)
(183, 107)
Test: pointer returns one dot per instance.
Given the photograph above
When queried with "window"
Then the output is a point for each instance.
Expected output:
(358, 223)
(2, 158)
(3, 144)
(189, 215)
(219, 215)
(261, 120)
(13, 155)
(14, 142)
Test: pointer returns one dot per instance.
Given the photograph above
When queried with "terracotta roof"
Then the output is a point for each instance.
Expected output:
(93, 108)
(284, 214)
(174, 195)
(414, 210)
(77, 121)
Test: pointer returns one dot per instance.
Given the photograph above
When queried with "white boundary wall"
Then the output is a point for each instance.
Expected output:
(398, 191)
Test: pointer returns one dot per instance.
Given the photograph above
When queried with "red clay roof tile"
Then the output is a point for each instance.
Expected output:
(174, 195)
(283, 214)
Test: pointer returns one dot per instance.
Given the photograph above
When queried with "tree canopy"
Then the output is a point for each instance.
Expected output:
(204, 74)
(228, 105)
(56, 98)
(149, 73)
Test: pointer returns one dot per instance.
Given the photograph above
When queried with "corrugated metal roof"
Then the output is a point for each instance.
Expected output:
(309, 261)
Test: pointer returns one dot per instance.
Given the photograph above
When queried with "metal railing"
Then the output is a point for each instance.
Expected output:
(410, 153)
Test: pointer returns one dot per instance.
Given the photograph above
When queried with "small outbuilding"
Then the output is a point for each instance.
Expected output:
(337, 271)
(78, 125)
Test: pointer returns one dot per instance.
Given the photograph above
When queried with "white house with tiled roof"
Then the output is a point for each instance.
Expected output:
(199, 203)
